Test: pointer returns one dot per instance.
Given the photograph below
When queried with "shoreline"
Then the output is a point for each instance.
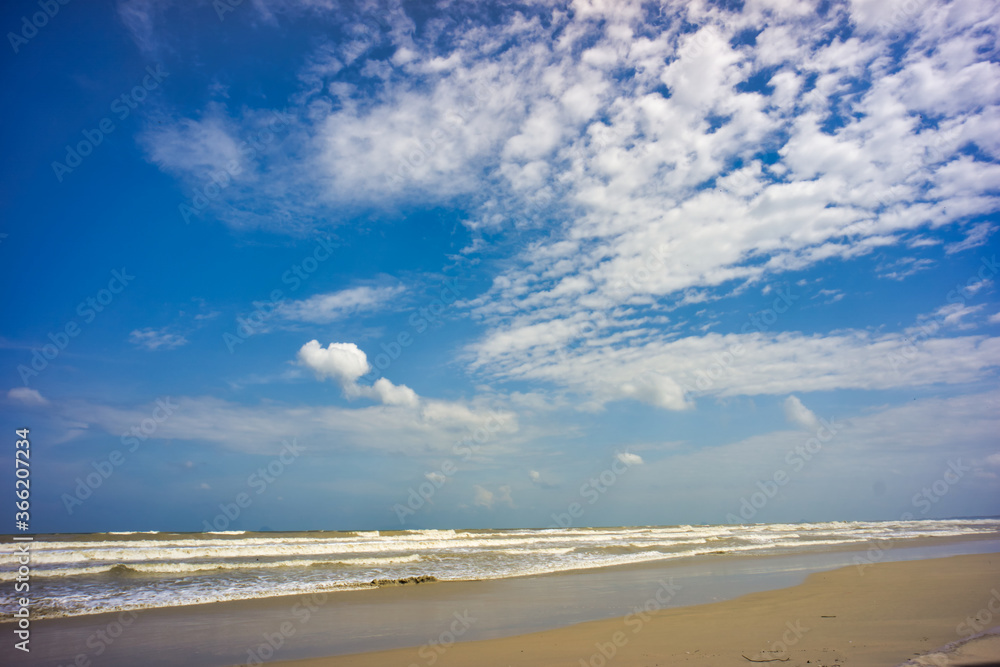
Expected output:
(833, 618)
(359, 622)
(658, 563)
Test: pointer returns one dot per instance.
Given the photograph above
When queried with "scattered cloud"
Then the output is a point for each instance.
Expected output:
(326, 308)
(629, 459)
(156, 339)
(798, 414)
(27, 396)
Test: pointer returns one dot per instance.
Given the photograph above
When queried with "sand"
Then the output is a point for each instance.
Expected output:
(890, 613)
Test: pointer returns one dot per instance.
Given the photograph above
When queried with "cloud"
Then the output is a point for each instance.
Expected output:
(343, 362)
(646, 365)
(346, 363)
(391, 394)
(436, 478)
(156, 339)
(486, 498)
(798, 414)
(260, 428)
(629, 459)
(975, 237)
(483, 498)
(26, 396)
(325, 308)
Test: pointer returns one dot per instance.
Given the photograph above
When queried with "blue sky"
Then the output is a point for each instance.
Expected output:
(476, 262)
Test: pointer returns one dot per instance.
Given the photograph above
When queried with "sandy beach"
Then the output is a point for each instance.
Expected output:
(891, 613)
(815, 608)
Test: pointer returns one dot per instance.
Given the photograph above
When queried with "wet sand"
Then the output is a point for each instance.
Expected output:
(891, 613)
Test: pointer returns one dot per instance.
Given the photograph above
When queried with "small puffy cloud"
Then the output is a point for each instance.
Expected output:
(346, 363)
(994, 318)
(797, 413)
(394, 394)
(26, 396)
(343, 362)
(535, 476)
(156, 339)
(629, 459)
(436, 478)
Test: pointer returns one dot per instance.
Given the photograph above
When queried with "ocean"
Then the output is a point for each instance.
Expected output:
(91, 573)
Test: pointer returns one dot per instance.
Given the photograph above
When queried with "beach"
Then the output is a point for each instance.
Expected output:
(891, 613)
(877, 606)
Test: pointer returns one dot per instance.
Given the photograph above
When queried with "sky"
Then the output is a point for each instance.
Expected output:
(310, 264)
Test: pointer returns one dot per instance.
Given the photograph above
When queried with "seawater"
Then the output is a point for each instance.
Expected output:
(93, 573)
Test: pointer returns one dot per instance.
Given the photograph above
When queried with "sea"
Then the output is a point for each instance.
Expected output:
(80, 574)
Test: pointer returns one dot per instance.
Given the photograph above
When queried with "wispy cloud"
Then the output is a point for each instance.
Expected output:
(325, 308)
(156, 339)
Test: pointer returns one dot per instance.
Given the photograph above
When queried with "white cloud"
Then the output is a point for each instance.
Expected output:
(976, 236)
(198, 147)
(156, 339)
(629, 459)
(325, 308)
(486, 498)
(797, 413)
(391, 394)
(260, 429)
(483, 497)
(26, 396)
(610, 365)
(343, 362)
(436, 478)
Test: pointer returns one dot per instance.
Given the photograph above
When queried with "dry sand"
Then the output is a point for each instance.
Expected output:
(891, 613)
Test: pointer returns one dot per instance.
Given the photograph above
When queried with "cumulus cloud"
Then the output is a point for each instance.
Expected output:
(798, 414)
(343, 362)
(27, 396)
